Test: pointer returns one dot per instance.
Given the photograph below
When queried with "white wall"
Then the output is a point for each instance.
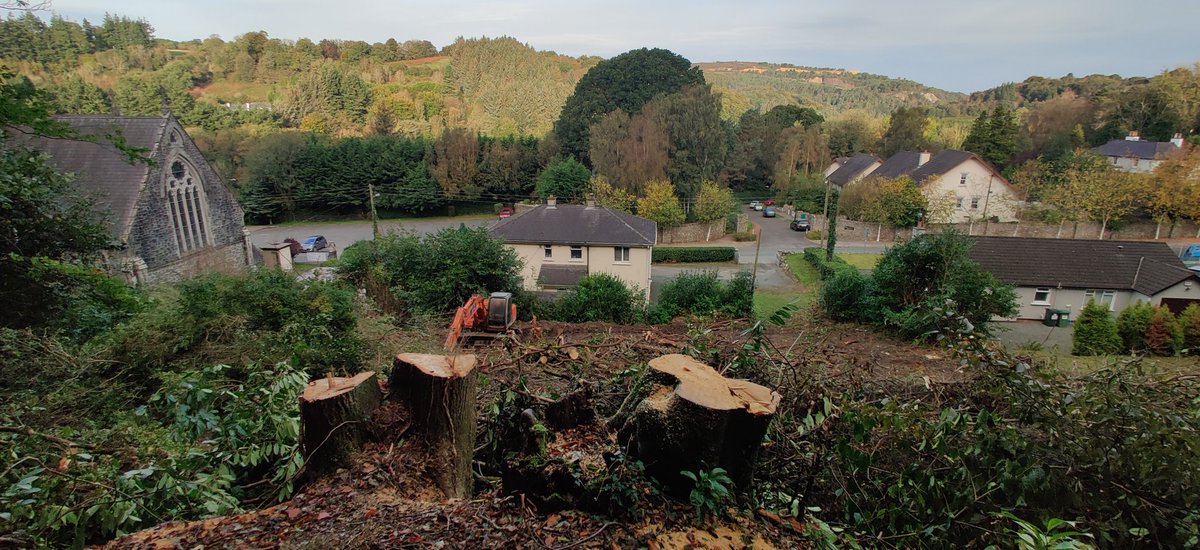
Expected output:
(1065, 298)
(1130, 164)
(598, 259)
(980, 181)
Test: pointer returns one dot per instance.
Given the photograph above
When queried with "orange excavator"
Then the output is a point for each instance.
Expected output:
(482, 318)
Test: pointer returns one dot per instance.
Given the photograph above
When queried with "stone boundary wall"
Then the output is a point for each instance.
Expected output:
(692, 232)
(852, 230)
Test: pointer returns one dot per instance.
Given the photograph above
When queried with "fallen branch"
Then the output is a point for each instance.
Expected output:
(26, 431)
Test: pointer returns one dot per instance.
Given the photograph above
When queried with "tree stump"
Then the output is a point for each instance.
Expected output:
(695, 419)
(334, 413)
(440, 393)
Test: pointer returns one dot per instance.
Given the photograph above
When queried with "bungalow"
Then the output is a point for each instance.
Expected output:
(1067, 273)
(559, 244)
(1132, 154)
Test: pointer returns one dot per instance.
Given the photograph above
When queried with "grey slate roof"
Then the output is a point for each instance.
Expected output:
(1136, 149)
(561, 276)
(576, 224)
(1086, 264)
(899, 164)
(940, 164)
(101, 170)
(851, 168)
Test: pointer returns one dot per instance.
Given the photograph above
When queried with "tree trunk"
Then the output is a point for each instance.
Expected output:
(1060, 227)
(1157, 229)
(440, 393)
(333, 419)
(878, 232)
(1103, 226)
(695, 419)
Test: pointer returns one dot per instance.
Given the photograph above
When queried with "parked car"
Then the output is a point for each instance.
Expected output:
(505, 212)
(769, 212)
(755, 205)
(314, 243)
(800, 225)
(769, 202)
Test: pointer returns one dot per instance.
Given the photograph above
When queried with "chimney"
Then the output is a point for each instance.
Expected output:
(551, 201)
(922, 158)
(591, 201)
(1133, 136)
(1177, 140)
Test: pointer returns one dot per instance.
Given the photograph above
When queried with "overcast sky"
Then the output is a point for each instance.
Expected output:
(959, 45)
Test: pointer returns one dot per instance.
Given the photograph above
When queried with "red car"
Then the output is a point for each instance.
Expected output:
(769, 202)
(505, 212)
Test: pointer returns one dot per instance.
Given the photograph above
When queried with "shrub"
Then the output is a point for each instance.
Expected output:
(702, 293)
(1189, 327)
(599, 297)
(1132, 324)
(694, 254)
(1163, 337)
(827, 268)
(435, 273)
(842, 295)
(731, 223)
(744, 236)
(918, 284)
(1095, 332)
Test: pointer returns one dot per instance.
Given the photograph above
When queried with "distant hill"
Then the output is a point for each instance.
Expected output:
(746, 85)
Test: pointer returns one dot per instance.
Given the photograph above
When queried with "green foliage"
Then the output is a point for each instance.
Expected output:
(745, 236)
(660, 204)
(626, 82)
(1132, 323)
(832, 223)
(711, 493)
(567, 179)
(828, 267)
(918, 285)
(702, 293)
(714, 202)
(1095, 332)
(438, 272)
(599, 297)
(842, 295)
(693, 254)
(906, 130)
(1189, 321)
(994, 136)
(1028, 536)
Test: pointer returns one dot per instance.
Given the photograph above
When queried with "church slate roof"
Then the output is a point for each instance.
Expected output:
(101, 170)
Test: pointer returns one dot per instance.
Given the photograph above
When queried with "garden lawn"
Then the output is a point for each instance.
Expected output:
(861, 260)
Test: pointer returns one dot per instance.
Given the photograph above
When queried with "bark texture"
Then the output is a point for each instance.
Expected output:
(695, 419)
(334, 413)
(440, 391)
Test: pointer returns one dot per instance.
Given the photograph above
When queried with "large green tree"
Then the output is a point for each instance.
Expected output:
(906, 130)
(624, 82)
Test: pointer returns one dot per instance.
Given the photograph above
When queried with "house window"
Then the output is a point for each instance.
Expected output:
(958, 202)
(1107, 297)
(962, 179)
(974, 202)
(1041, 297)
(621, 254)
(576, 252)
(187, 208)
(547, 251)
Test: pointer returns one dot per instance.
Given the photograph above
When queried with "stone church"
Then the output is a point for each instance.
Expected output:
(171, 218)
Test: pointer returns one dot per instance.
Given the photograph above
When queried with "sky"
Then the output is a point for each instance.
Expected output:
(959, 45)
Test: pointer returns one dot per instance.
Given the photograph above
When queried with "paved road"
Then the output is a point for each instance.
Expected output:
(344, 234)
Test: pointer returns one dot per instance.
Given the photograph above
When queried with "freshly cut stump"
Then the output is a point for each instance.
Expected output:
(440, 393)
(334, 413)
(697, 419)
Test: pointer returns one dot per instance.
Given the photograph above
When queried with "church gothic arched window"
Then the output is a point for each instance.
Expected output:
(187, 207)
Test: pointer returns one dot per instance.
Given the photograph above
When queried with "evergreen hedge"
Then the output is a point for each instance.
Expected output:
(694, 254)
(1095, 332)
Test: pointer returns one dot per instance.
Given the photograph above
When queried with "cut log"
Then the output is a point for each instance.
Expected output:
(440, 393)
(334, 413)
(695, 419)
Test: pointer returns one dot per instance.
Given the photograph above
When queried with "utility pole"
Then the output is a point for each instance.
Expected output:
(374, 215)
(754, 270)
